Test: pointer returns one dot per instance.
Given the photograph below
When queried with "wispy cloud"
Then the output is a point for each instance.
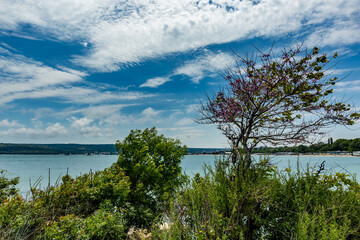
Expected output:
(209, 63)
(155, 82)
(20, 74)
(149, 115)
(341, 33)
(7, 123)
(348, 86)
(25, 78)
(119, 33)
(81, 122)
(185, 122)
(52, 131)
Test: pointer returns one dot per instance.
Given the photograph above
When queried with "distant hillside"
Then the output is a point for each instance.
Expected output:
(348, 145)
(14, 148)
(206, 150)
(11, 148)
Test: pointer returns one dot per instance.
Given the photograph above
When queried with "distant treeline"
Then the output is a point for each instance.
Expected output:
(339, 145)
(66, 149)
(14, 148)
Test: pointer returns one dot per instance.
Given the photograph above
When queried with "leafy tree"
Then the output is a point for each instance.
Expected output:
(274, 100)
(152, 163)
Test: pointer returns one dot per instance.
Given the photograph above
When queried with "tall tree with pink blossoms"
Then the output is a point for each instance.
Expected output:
(273, 99)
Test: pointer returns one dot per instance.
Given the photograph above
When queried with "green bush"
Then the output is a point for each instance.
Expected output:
(7, 186)
(223, 204)
(100, 225)
(84, 195)
(81, 197)
(152, 163)
(265, 203)
(313, 205)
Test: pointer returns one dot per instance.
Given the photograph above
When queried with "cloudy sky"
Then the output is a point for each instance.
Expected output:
(88, 71)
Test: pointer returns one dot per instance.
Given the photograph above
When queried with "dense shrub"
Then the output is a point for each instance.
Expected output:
(95, 200)
(100, 225)
(7, 186)
(265, 203)
(313, 205)
(84, 195)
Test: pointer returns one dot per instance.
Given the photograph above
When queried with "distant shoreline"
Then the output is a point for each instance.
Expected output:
(306, 155)
(194, 154)
(79, 149)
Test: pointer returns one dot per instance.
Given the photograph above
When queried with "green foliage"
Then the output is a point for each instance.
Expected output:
(100, 225)
(96, 201)
(20, 219)
(339, 145)
(85, 194)
(265, 203)
(152, 163)
(223, 204)
(313, 204)
(7, 186)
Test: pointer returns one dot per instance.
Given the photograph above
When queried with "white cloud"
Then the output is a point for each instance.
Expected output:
(342, 33)
(119, 33)
(192, 108)
(80, 95)
(80, 122)
(52, 131)
(348, 86)
(183, 133)
(55, 129)
(109, 113)
(82, 126)
(150, 113)
(91, 131)
(20, 74)
(348, 83)
(343, 70)
(7, 123)
(25, 78)
(155, 28)
(184, 122)
(42, 111)
(209, 63)
(155, 82)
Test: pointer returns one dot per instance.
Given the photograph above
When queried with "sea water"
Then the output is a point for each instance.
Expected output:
(44, 169)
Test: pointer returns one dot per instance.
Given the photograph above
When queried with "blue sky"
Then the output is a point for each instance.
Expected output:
(88, 71)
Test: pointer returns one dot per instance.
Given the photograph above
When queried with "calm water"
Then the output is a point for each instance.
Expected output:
(32, 167)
